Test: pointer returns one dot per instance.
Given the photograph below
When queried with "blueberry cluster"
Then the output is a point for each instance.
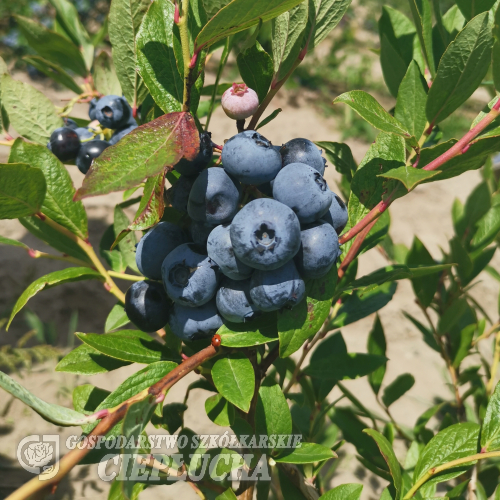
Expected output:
(84, 144)
(236, 262)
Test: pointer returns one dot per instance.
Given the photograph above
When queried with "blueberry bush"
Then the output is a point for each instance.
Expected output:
(246, 255)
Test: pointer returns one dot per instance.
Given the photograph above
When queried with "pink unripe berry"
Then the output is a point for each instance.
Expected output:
(239, 101)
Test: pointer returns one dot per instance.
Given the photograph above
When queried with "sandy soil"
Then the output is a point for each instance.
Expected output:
(425, 213)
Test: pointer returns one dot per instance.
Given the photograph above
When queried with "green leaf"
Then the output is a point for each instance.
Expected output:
(141, 154)
(85, 360)
(56, 278)
(272, 415)
(269, 118)
(296, 325)
(397, 36)
(256, 69)
(152, 204)
(67, 17)
(58, 203)
(30, 112)
(490, 432)
(52, 46)
(344, 492)
(22, 190)
(471, 8)
(54, 238)
(172, 417)
(86, 398)
(456, 441)
(125, 17)
(389, 456)
(105, 77)
(56, 414)
(377, 346)
(137, 417)
(424, 288)
(340, 366)
(367, 188)
(117, 318)
(288, 31)
(340, 155)
(409, 176)
(368, 108)
(129, 345)
(156, 58)
(495, 56)
(306, 453)
(324, 16)
(114, 257)
(461, 69)
(362, 304)
(126, 243)
(115, 491)
(422, 15)
(14, 243)
(412, 97)
(234, 378)
(219, 410)
(398, 388)
(259, 331)
(54, 71)
(487, 228)
(239, 15)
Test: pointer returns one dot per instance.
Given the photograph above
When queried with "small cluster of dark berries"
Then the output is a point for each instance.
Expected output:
(234, 262)
(84, 144)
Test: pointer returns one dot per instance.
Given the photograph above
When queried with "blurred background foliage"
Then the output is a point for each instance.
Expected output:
(349, 61)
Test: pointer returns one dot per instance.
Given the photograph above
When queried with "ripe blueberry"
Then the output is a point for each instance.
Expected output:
(189, 323)
(199, 232)
(88, 152)
(265, 234)
(337, 214)
(84, 133)
(273, 290)
(189, 276)
(251, 158)
(68, 122)
(179, 193)
(202, 159)
(113, 111)
(64, 143)
(92, 108)
(303, 151)
(147, 306)
(303, 189)
(220, 250)
(214, 197)
(121, 133)
(155, 245)
(319, 250)
(239, 101)
(234, 302)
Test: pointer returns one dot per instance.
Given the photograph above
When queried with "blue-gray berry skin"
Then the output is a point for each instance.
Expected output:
(303, 151)
(199, 232)
(179, 193)
(202, 159)
(190, 323)
(220, 250)
(113, 111)
(121, 133)
(89, 151)
(92, 107)
(68, 122)
(147, 305)
(274, 290)
(234, 302)
(189, 276)
(214, 197)
(251, 158)
(265, 234)
(83, 133)
(155, 245)
(303, 189)
(337, 214)
(319, 250)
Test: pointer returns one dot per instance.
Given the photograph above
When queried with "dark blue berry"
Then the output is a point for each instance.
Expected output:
(303, 151)
(179, 193)
(64, 143)
(202, 159)
(88, 153)
(113, 111)
(234, 302)
(337, 214)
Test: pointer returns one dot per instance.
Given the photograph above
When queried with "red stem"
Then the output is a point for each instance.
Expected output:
(353, 251)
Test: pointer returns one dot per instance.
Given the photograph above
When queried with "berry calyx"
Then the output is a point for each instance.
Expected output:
(239, 101)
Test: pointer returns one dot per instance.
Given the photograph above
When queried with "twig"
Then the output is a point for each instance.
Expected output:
(156, 392)
(487, 334)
